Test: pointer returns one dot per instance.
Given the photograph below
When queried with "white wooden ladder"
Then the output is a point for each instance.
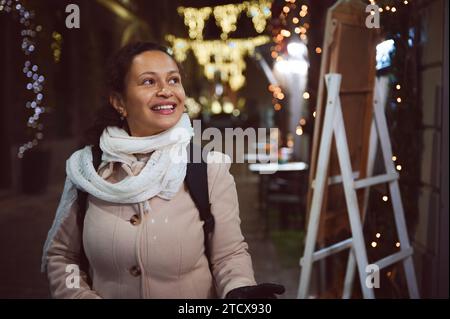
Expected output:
(333, 124)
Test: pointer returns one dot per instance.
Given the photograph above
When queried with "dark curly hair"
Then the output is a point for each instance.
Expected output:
(116, 70)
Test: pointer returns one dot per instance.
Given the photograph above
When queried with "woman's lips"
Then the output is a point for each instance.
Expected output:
(164, 109)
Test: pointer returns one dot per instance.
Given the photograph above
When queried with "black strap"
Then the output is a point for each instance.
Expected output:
(197, 184)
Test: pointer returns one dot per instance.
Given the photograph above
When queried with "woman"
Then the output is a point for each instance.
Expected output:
(141, 233)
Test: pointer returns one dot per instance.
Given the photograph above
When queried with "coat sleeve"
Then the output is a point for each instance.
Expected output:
(231, 262)
(63, 259)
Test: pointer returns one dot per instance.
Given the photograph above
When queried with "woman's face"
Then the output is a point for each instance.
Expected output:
(153, 100)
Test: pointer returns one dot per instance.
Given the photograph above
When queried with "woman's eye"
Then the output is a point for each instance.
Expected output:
(148, 82)
(174, 80)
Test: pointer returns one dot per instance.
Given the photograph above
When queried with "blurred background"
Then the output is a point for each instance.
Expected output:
(247, 64)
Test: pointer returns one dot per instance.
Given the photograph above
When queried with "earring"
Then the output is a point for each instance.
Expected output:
(122, 116)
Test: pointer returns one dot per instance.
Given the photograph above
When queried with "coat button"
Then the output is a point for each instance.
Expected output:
(135, 271)
(135, 220)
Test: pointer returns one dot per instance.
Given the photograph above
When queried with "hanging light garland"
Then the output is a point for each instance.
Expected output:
(260, 13)
(226, 17)
(195, 19)
(35, 79)
(225, 57)
(56, 46)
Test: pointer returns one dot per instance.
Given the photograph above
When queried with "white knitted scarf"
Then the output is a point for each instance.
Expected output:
(162, 175)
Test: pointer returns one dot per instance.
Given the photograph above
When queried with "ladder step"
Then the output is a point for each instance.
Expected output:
(336, 179)
(370, 181)
(392, 259)
(327, 251)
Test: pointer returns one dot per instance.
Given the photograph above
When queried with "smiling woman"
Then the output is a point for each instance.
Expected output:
(153, 99)
(127, 225)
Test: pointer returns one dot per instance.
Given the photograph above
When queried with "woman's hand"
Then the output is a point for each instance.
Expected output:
(261, 291)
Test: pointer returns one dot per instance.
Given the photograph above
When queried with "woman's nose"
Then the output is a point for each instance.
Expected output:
(164, 92)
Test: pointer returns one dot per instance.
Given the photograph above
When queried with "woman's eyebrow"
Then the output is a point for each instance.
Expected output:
(154, 73)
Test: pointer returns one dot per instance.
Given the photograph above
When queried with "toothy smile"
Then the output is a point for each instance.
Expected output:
(163, 107)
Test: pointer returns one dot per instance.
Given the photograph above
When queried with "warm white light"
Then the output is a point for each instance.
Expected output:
(306, 95)
(398, 167)
(292, 66)
(397, 244)
(373, 244)
(377, 235)
(216, 108)
(385, 198)
(285, 33)
(297, 49)
(228, 107)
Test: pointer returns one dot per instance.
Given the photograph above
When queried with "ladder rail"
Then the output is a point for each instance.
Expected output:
(381, 96)
(316, 205)
(399, 215)
(352, 201)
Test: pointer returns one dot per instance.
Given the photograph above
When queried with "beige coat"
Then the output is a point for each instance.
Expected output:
(155, 252)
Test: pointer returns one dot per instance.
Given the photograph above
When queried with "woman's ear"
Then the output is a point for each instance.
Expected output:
(117, 103)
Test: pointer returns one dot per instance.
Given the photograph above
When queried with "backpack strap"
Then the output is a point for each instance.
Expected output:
(197, 184)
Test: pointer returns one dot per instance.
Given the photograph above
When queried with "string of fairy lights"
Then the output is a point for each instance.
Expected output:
(30, 70)
(389, 7)
(386, 8)
(289, 26)
(224, 56)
